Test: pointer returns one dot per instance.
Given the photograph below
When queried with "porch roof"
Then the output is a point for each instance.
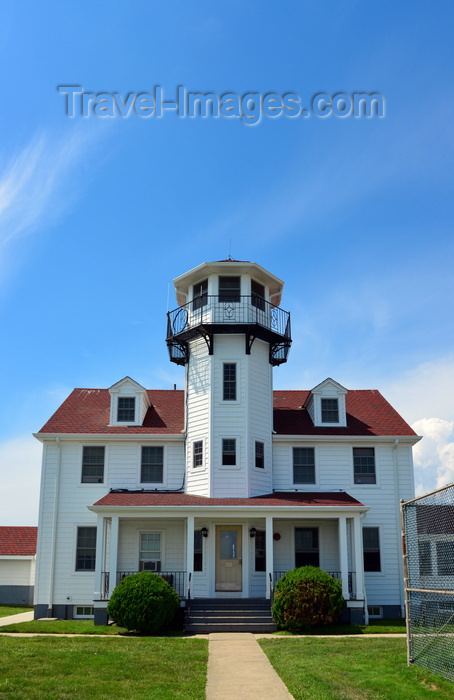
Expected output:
(134, 499)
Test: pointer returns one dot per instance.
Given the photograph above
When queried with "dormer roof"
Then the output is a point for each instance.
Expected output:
(329, 383)
(129, 382)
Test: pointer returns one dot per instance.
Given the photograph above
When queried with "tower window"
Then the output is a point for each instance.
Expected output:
(126, 409)
(229, 387)
(228, 451)
(257, 295)
(200, 295)
(260, 455)
(229, 288)
(330, 411)
(197, 457)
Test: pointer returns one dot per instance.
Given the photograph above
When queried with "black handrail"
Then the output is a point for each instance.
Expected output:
(211, 310)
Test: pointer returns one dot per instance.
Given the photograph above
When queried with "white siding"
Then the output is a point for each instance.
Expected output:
(17, 571)
(199, 412)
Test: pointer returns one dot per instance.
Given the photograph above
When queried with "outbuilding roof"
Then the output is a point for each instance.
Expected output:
(88, 411)
(18, 541)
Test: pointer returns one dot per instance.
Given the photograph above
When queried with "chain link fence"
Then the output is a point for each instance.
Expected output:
(428, 549)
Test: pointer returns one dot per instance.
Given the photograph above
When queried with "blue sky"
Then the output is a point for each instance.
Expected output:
(98, 215)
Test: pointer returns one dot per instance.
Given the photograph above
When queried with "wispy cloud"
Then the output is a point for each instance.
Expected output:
(37, 185)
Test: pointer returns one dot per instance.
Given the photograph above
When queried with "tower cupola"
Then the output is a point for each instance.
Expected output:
(228, 297)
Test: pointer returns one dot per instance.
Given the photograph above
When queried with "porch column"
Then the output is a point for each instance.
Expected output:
(113, 564)
(269, 553)
(343, 555)
(189, 549)
(359, 560)
(97, 595)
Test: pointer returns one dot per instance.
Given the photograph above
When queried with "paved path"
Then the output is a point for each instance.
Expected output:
(21, 617)
(239, 669)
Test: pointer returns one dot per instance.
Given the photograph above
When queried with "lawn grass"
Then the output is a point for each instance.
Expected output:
(88, 627)
(63, 627)
(6, 610)
(395, 626)
(337, 669)
(57, 668)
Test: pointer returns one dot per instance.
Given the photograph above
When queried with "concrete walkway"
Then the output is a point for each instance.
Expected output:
(11, 619)
(238, 669)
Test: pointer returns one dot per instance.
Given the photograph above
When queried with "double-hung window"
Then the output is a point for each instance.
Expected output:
(86, 549)
(93, 465)
(126, 412)
(197, 455)
(445, 558)
(150, 551)
(364, 465)
(306, 546)
(303, 465)
(229, 381)
(425, 558)
(152, 465)
(228, 451)
(330, 410)
(371, 548)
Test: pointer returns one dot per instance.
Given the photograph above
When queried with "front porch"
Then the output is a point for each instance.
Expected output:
(210, 552)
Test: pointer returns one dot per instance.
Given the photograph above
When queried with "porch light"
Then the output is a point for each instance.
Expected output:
(204, 532)
(252, 532)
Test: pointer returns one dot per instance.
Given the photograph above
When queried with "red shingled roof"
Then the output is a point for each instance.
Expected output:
(144, 498)
(18, 541)
(368, 413)
(88, 411)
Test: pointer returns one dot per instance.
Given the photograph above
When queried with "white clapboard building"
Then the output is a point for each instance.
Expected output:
(225, 486)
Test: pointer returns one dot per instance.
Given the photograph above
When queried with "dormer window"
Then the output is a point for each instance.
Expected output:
(126, 411)
(330, 410)
(326, 404)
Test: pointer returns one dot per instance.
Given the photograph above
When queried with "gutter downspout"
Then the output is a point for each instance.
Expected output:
(398, 527)
(366, 609)
(54, 530)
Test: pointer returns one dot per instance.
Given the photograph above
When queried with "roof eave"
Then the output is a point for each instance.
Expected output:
(138, 437)
(221, 511)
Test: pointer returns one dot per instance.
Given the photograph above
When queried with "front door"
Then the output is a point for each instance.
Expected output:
(228, 558)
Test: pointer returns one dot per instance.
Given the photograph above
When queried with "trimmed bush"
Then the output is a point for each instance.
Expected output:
(143, 603)
(307, 597)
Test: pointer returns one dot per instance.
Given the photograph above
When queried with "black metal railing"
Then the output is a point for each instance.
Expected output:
(335, 574)
(245, 310)
(177, 580)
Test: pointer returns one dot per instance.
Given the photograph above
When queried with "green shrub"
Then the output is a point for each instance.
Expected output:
(306, 597)
(143, 603)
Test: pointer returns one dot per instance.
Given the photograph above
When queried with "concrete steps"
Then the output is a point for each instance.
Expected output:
(229, 615)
